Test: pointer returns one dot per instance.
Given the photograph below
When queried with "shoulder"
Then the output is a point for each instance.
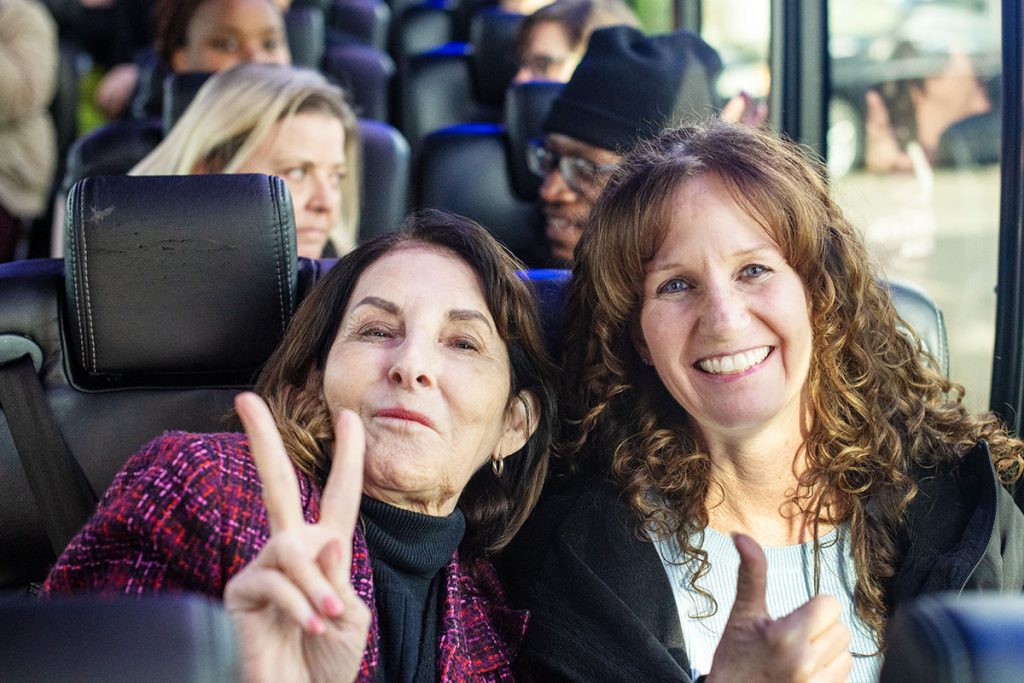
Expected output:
(589, 519)
(601, 606)
(183, 458)
(962, 529)
(18, 16)
(215, 466)
(491, 631)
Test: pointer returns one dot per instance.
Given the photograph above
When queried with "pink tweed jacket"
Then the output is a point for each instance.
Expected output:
(185, 514)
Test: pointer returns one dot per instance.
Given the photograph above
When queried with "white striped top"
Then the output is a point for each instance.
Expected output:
(790, 585)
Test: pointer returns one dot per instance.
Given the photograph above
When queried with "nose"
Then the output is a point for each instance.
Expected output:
(554, 189)
(725, 312)
(324, 196)
(523, 75)
(413, 364)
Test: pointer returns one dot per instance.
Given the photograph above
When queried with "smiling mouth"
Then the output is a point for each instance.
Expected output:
(735, 363)
(403, 414)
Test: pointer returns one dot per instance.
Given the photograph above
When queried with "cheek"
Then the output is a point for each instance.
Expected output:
(299, 193)
(214, 60)
(663, 330)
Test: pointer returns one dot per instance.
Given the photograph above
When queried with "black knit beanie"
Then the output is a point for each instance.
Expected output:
(630, 86)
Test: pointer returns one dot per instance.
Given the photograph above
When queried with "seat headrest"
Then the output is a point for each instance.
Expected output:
(494, 63)
(176, 280)
(156, 638)
(179, 91)
(924, 317)
(948, 638)
(526, 106)
(111, 149)
(305, 26)
(550, 287)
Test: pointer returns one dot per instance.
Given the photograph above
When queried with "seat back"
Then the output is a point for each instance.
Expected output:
(305, 26)
(479, 170)
(172, 294)
(366, 72)
(459, 82)
(526, 106)
(361, 21)
(924, 317)
(947, 638)
(179, 90)
(384, 199)
(160, 639)
(465, 169)
(420, 27)
(494, 62)
(111, 149)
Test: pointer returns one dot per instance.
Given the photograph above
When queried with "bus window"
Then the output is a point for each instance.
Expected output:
(913, 150)
(739, 30)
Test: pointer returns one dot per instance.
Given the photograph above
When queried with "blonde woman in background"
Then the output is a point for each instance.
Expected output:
(278, 120)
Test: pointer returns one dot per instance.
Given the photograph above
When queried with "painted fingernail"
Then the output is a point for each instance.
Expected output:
(315, 626)
(332, 606)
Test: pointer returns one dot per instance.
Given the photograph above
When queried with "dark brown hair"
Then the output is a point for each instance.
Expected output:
(292, 380)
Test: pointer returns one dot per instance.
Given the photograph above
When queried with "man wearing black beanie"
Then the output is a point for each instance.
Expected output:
(628, 87)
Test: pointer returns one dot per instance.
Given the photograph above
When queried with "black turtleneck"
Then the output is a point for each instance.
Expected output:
(407, 552)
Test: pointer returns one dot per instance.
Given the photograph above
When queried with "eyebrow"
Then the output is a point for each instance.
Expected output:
(455, 314)
(654, 267)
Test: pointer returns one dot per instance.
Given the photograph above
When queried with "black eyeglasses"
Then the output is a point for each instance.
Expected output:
(581, 175)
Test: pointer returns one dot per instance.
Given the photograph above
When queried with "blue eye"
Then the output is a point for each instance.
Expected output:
(754, 270)
(672, 286)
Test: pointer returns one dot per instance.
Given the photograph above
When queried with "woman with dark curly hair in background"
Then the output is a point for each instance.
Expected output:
(737, 372)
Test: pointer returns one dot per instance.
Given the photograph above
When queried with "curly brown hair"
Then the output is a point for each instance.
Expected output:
(292, 380)
(881, 408)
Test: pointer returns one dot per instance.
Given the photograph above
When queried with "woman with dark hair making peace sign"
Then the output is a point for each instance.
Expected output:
(448, 384)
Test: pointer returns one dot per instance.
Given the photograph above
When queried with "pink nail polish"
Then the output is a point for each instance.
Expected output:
(315, 626)
(332, 606)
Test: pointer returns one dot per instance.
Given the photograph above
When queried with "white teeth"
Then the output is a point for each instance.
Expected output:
(725, 365)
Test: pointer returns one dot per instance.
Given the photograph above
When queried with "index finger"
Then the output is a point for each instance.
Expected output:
(339, 503)
(280, 485)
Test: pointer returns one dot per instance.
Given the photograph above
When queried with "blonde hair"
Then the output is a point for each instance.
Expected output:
(882, 411)
(235, 111)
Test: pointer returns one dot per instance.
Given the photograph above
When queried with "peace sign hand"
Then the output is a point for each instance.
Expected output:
(296, 614)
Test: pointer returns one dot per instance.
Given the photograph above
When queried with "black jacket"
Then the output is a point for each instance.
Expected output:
(601, 607)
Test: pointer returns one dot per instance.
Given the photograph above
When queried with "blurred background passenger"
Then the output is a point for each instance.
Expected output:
(605, 109)
(195, 35)
(28, 146)
(551, 41)
(278, 120)
(906, 118)
(522, 6)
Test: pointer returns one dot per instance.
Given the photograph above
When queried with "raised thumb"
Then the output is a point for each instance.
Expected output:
(751, 580)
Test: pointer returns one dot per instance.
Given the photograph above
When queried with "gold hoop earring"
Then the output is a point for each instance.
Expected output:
(498, 466)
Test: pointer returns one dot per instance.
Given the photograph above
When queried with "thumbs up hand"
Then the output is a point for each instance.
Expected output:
(809, 645)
